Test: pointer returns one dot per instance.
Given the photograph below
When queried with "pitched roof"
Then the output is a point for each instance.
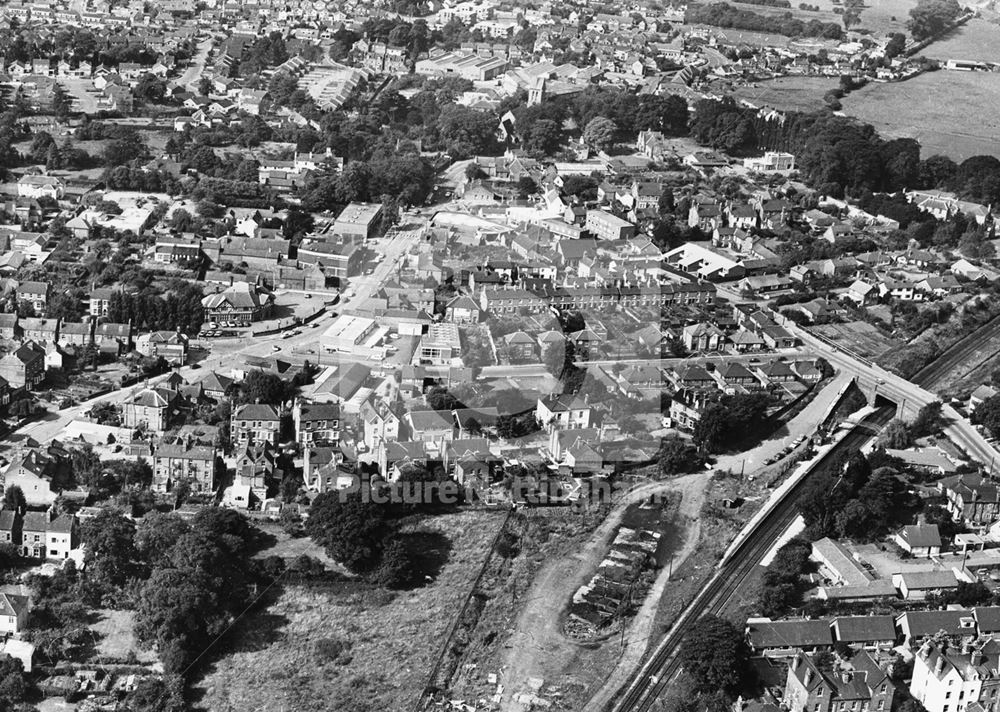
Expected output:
(256, 411)
(789, 634)
(858, 629)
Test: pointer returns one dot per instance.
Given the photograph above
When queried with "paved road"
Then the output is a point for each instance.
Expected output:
(228, 353)
(197, 66)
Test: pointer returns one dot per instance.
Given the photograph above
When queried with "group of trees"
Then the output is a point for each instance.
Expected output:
(987, 414)
(722, 14)
(932, 17)
(364, 536)
(851, 500)
(714, 656)
(783, 583)
(180, 308)
(731, 420)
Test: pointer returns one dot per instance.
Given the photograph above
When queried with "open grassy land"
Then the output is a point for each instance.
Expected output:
(349, 647)
(789, 93)
(977, 40)
(951, 113)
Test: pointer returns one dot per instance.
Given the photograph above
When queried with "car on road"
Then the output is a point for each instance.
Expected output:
(275, 348)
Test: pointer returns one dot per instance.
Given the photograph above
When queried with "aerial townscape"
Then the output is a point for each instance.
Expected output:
(492, 356)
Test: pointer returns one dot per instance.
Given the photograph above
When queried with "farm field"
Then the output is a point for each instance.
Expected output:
(788, 93)
(977, 40)
(951, 113)
(347, 646)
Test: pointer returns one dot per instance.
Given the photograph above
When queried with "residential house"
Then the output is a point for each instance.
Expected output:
(430, 426)
(255, 467)
(10, 527)
(9, 328)
(917, 626)
(855, 684)
(381, 423)
(868, 632)
(62, 535)
(35, 294)
(150, 409)
(13, 613)
(462, 309)
(171, 345)
(786, 638)
(920, 540)
(24, 367)
(76, 334)
(971, 499)
(316, 422)
(33, 532)
(918, 585)
(255, 422)
(41, 330)
(113, 339)
(562, 412)
(242, 303)
(949, 678)
(702, 337)
(33, 471)
(184, 462)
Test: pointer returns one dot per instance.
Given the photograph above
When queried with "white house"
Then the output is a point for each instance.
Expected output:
(562, 411)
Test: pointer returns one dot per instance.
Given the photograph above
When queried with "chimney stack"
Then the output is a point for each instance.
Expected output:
(976, 659)
(808, 677)
(939, 665)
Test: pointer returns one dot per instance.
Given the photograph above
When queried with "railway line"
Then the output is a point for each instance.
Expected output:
(957, 353)
(663, 665)
(660, 669)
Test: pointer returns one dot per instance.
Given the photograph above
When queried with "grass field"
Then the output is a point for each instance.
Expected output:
(282, 658)
(116, 637)
(977, 40)
(860, 337)
(789, 93)
(951, 113)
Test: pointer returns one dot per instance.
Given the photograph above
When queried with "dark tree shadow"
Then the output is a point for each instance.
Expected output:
(428, 552)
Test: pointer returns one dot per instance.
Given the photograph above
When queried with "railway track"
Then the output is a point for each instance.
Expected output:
(657, 673)
(662, 667)
(932, 373)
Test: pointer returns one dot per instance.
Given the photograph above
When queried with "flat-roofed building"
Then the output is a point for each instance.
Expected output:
(605, 226)
(439, 345)
(358, 220)
(346, 332)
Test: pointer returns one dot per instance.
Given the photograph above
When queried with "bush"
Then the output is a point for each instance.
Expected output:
(333, 650)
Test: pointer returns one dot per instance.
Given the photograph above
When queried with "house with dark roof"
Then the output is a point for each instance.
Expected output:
(918, 585)
(184, 462)
(786, 638)
(24, 367)
(151, 409)
(258, 422)
(869, 632)
(562, 412)
(316, 422)
(114, 339)
(917, 626)
(921, 540)
(241, 303)
(76, 334)
(855, 684)
(972, 499)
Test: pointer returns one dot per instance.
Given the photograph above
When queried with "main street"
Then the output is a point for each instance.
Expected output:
(226, 354)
